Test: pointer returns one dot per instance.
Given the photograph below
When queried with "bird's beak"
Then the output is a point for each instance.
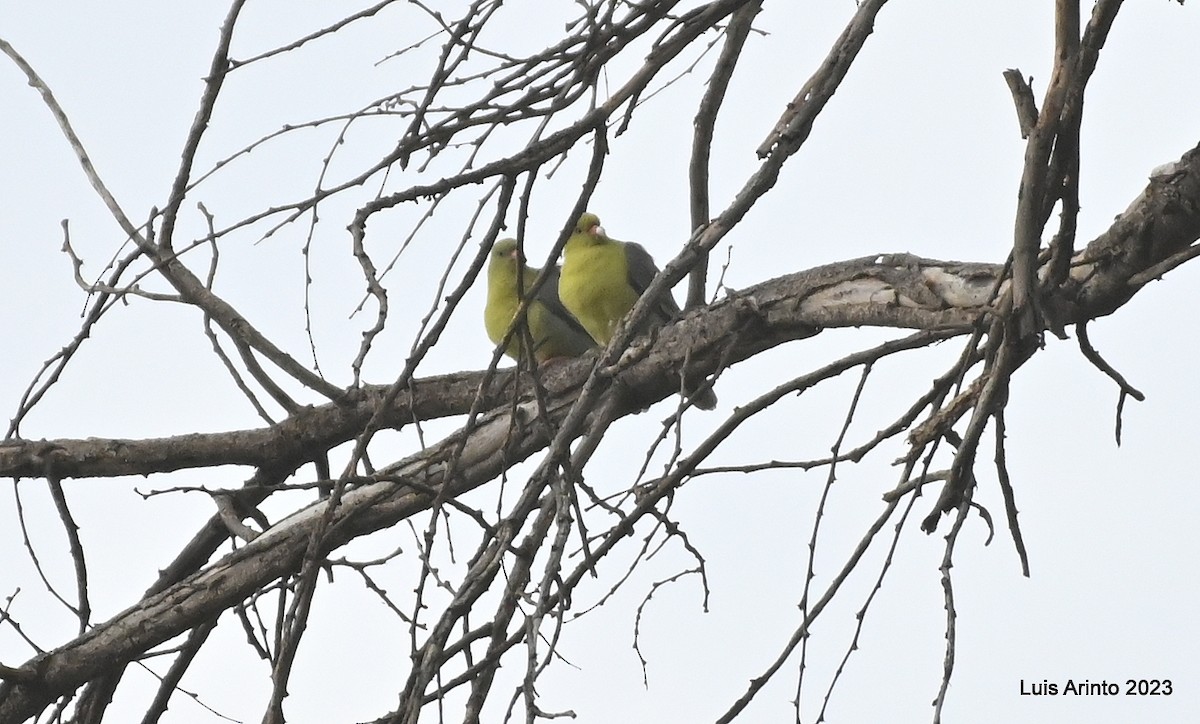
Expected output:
(597, 231)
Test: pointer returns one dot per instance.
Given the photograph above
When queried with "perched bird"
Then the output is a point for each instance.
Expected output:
(553, 330)
(602, 279)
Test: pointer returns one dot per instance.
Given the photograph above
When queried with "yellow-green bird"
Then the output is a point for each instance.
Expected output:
(553, 330)
(602, 279)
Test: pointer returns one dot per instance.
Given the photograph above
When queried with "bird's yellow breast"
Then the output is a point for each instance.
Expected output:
(595, 286)
(502, 304)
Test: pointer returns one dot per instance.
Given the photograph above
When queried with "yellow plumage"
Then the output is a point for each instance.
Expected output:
(553, 331)
(602, 279)
(595, 279)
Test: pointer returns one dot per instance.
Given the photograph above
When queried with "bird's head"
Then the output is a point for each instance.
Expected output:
(589, 227)
(505, 250)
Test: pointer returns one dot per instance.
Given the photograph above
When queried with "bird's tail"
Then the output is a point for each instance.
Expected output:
(703, 398)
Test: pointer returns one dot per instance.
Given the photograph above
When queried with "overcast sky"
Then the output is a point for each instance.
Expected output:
(919, 152)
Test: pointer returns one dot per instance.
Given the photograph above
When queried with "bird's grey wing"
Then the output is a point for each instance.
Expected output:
(548, 295)
(642, 271)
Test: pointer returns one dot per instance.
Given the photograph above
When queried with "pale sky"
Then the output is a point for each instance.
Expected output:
(918, 152)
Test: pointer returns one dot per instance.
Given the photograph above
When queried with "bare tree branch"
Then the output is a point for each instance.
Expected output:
(496, 581)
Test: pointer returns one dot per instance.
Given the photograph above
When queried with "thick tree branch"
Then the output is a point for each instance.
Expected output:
(892, 290)
(888, 290)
